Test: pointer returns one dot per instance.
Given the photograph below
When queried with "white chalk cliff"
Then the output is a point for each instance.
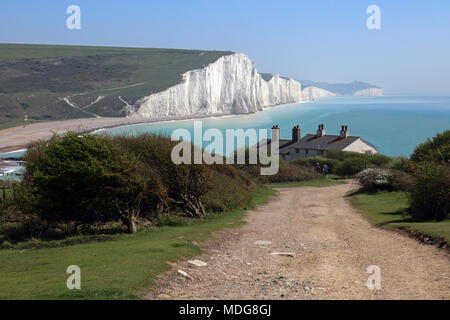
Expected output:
(312, 93)
(230, 85)
(370, 92)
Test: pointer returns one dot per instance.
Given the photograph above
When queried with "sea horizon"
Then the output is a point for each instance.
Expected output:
(379, 120)
(422, 116)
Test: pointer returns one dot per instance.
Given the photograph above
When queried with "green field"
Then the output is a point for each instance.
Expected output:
(388, 209)
(122, 268)
(36, 78)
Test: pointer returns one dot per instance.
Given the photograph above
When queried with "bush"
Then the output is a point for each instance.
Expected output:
(430, 192)
(403, 164)
(287, 173)
(6, 245)
(378, 160)
(170, 220)
(83, 179)
(401, 180)
(436, 149)
(230, 188)
(351, 166)
(194, 189)
(345, 163)
(311, 162)
(383, 179)
(375, 179)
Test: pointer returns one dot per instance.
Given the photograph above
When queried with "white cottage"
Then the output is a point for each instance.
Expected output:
(313, 145)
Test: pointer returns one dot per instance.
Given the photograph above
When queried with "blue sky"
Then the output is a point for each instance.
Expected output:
(325, 40)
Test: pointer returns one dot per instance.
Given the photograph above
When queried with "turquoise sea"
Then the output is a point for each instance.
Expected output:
(394, 124)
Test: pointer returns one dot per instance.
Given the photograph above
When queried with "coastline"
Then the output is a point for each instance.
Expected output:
(17, 138)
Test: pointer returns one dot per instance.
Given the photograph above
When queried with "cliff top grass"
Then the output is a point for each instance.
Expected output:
(120, 269)
(35, 78)
(388, 209)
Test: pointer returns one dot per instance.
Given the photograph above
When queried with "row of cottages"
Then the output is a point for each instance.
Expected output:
(313, 145)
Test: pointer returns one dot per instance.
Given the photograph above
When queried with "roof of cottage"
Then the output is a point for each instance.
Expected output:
(325, 142)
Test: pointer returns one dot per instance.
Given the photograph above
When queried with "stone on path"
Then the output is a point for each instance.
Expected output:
(262, 242)
(184, 274)
(286, 254)
(197, 263)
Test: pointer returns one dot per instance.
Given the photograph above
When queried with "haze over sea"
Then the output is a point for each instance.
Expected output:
(394, 124)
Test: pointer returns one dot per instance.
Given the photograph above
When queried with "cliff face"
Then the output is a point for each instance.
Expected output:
(312, 93)
(355, 88)
(230, 85)
(370, 92)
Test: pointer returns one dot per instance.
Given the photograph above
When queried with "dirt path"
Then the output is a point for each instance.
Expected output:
(332, 245)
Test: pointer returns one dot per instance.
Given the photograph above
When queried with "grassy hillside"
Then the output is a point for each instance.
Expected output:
(35, 79)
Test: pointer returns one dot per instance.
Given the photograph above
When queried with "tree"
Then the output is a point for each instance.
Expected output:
(436, 149)
(430, 192)
(188, 184)
(83, 178)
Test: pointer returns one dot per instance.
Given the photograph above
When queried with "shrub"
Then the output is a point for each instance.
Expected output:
(401, 180)
(378, 160)
(188, 185)
(83, 178)
(374, 159)
(375, 179)
(311, 163)
(194, 189)
(230, 188)
(383, 179)
(436, 149)
(6, 245)
(351, 166)
(287, 173)
(430, 192)
(170, 220)
(403, 164)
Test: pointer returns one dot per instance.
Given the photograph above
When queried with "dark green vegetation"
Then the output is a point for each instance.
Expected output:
(94, 184)
(82, 179)
(36, 78)
(76, 202)
(170, 207)
(345, 164)
(423, 205)
(430, 188)
(118, 269)
(435, 150)
(343, 89)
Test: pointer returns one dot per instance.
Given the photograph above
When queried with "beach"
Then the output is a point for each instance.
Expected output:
(378, 120)
(16, 138)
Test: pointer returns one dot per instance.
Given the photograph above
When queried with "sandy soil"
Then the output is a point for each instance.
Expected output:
(18, 137)
(332, 245)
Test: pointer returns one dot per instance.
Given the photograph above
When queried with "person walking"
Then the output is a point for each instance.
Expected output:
(317, 168)
(325, 170)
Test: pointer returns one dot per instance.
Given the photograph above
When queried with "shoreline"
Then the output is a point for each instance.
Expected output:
(17, 138)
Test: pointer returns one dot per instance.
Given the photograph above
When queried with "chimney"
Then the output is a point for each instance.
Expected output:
(275, 132)
(321, 130)
(296, 133)
(344, 131)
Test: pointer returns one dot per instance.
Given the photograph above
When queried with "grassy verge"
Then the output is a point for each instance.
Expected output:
(120, 269)
(388, 209)
(309, 183)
